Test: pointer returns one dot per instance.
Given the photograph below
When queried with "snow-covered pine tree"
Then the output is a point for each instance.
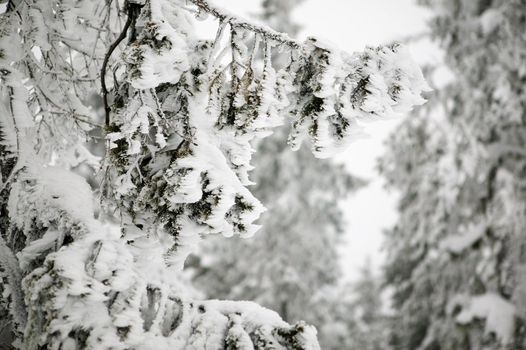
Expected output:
(294, 257)
(179, 117)
(456, 257)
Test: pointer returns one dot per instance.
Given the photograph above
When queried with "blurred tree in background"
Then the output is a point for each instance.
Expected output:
(457, 256)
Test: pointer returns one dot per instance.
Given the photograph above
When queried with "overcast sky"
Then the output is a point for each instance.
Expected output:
(351, 25)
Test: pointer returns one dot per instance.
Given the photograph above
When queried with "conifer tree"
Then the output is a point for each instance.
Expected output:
(179, 116)
(456, 255)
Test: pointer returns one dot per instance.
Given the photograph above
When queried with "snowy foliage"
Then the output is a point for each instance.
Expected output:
(459, 164)
(302, 197)
(179, 119)
(195, 183)
(97, 292)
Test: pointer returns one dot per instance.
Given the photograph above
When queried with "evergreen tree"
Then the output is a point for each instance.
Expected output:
(179, 117)
(456, 256)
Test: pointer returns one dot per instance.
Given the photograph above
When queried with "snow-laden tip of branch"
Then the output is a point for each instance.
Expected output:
(335, 91)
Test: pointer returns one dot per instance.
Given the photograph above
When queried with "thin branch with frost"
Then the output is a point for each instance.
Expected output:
(236, 22)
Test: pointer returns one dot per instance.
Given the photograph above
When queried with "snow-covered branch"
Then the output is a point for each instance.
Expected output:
(237, 23)
(183, 117)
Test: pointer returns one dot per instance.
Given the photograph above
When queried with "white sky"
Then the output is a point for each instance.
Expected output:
(351, 25)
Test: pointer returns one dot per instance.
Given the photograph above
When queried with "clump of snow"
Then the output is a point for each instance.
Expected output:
(43, 193)
(160, 53)
(458, 243)
(490, 20)
(498, 313)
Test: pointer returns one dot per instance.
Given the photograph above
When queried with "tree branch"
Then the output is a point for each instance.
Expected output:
(133, 12)
(234, 21)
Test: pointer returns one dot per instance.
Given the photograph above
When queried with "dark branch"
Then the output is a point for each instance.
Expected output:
(133, 12)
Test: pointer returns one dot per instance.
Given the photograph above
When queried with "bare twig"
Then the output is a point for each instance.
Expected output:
(133, 12)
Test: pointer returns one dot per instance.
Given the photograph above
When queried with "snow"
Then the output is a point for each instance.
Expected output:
(253, 314)
(43, 193)
(67, 191)
(98, 266)
(489, 20)
(498, 313)
(167, 63)
(458, 243)
(37, 248)
(123, 294)
(378, 83)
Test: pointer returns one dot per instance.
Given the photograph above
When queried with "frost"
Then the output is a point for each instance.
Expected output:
(159, 55)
